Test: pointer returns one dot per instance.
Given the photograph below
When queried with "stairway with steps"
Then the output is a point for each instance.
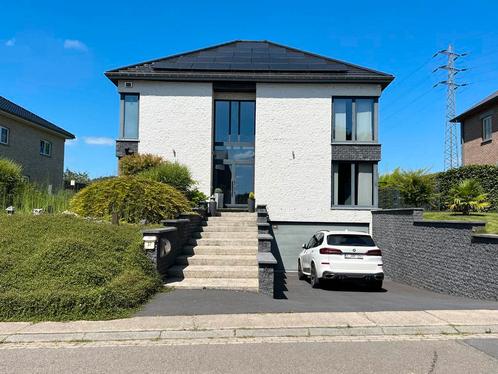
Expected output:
(221, 256)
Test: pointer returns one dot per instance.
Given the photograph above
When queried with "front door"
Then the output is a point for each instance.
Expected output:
(233, 154)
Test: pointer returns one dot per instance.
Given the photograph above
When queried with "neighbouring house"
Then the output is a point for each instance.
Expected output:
(298, 129)
(479, 132)
(35, 143)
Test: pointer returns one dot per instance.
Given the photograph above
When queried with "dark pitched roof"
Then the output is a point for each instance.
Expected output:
(18, 111)
(250, 61)
(481, 105)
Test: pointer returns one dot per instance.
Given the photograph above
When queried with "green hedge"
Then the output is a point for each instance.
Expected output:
(133, 198)
(58, 267)
(486, 175)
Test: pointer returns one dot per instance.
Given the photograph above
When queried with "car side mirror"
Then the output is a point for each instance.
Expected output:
(303, 246)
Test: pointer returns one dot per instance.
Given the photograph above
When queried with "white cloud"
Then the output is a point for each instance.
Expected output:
(10, 42)
(75, 44)
(98, 140)
(71, 141)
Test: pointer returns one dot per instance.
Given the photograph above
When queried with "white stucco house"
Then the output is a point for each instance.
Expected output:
(298, 129)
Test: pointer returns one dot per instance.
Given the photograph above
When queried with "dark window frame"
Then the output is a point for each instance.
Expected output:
(123, 114)
(42, 149)
(483, 128)
(375, 103)
(354, 185)
(7, 142)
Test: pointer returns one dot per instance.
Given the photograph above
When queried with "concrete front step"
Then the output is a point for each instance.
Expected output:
(239, 284)
(233, 224)
(237, 214)
(225, 242)
(206, 271)
(220, 250)
(230, 228)
(232, 219)
(218, 260)
(229, 235)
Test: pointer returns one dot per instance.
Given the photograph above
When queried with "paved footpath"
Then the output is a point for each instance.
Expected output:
(447, 324)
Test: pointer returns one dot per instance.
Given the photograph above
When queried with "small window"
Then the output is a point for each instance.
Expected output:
(4, 135)
(45, 148)
(130, 116)
(487, 128)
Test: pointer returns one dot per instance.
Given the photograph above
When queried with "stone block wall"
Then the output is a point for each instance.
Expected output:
(443, 256)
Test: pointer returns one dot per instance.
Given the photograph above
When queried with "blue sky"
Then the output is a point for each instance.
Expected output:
(53, 55)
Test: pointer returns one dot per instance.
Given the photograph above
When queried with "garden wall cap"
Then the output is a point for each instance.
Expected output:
(449, 222)
(265, 237)
(400, 210)
(485, 238)
(266, 258)
(159, 230)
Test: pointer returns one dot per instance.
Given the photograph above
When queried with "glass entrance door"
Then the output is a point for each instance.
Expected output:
(234, 150)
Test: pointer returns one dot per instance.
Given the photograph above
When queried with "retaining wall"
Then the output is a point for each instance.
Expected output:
(443, 256)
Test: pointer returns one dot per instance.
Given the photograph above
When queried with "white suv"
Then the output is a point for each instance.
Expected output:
(341, 255)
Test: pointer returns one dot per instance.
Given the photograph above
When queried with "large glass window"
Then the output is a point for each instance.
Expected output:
(353, 183)
(353, 119)
(4, 135)
(487, 128)
(130, 116)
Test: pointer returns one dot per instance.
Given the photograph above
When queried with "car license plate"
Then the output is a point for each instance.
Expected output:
(353, 256)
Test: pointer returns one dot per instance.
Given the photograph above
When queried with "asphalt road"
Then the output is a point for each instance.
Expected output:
(300, 297)
(450, 356)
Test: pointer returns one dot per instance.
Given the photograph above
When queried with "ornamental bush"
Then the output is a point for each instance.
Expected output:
(10, 180)
(133, 198)
(136, 163)
(172, 173)
(468, 196)
(486, 175)
(61, 267)
(416, 187)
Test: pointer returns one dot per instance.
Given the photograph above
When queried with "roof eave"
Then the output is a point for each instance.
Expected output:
(384, 81)
(461, 117)
(59, 131)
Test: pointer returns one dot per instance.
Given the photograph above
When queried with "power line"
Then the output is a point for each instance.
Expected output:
(451, 144)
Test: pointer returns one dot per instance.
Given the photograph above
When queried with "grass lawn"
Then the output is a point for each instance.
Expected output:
(491, 219)
(60, 267)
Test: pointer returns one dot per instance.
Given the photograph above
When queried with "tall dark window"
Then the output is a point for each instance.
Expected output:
(4, 135)
(353, 183)
(353, 119)
(129, 127)
(487, 128)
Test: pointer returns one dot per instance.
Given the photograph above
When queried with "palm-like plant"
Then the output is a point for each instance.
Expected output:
(468, 196)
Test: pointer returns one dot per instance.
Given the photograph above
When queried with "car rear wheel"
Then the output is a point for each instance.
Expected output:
(300, 273)
(314, 280)
(375, 285)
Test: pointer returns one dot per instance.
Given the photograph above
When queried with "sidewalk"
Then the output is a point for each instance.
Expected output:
(274, 325)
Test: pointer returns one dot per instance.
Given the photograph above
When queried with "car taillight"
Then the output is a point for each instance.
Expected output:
(374, 252)
(330, 251)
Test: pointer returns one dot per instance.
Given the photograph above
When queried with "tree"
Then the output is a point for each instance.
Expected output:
(415, 186)
(468, 196)
(79, 177)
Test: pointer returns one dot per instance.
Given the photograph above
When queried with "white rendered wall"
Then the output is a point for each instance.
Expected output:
(175, 122)
(293, 150)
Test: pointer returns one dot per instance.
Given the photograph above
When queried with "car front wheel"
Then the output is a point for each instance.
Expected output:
(314, 280)
(300, 273)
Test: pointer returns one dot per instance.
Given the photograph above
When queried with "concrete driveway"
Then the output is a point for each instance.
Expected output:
(298, 296)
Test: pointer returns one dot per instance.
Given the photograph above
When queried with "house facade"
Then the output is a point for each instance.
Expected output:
(298, 129)
(479, 132)
(33, 142)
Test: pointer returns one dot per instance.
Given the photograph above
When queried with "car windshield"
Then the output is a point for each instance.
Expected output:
(354, 240)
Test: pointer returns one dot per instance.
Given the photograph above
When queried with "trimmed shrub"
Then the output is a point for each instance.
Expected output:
(196, 197)
(486, 175)
(136, 163)
(60, 267)
(10, 180)
(172, 173)
(132, 198)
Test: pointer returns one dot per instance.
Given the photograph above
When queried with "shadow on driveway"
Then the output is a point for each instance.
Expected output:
(298, 296)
